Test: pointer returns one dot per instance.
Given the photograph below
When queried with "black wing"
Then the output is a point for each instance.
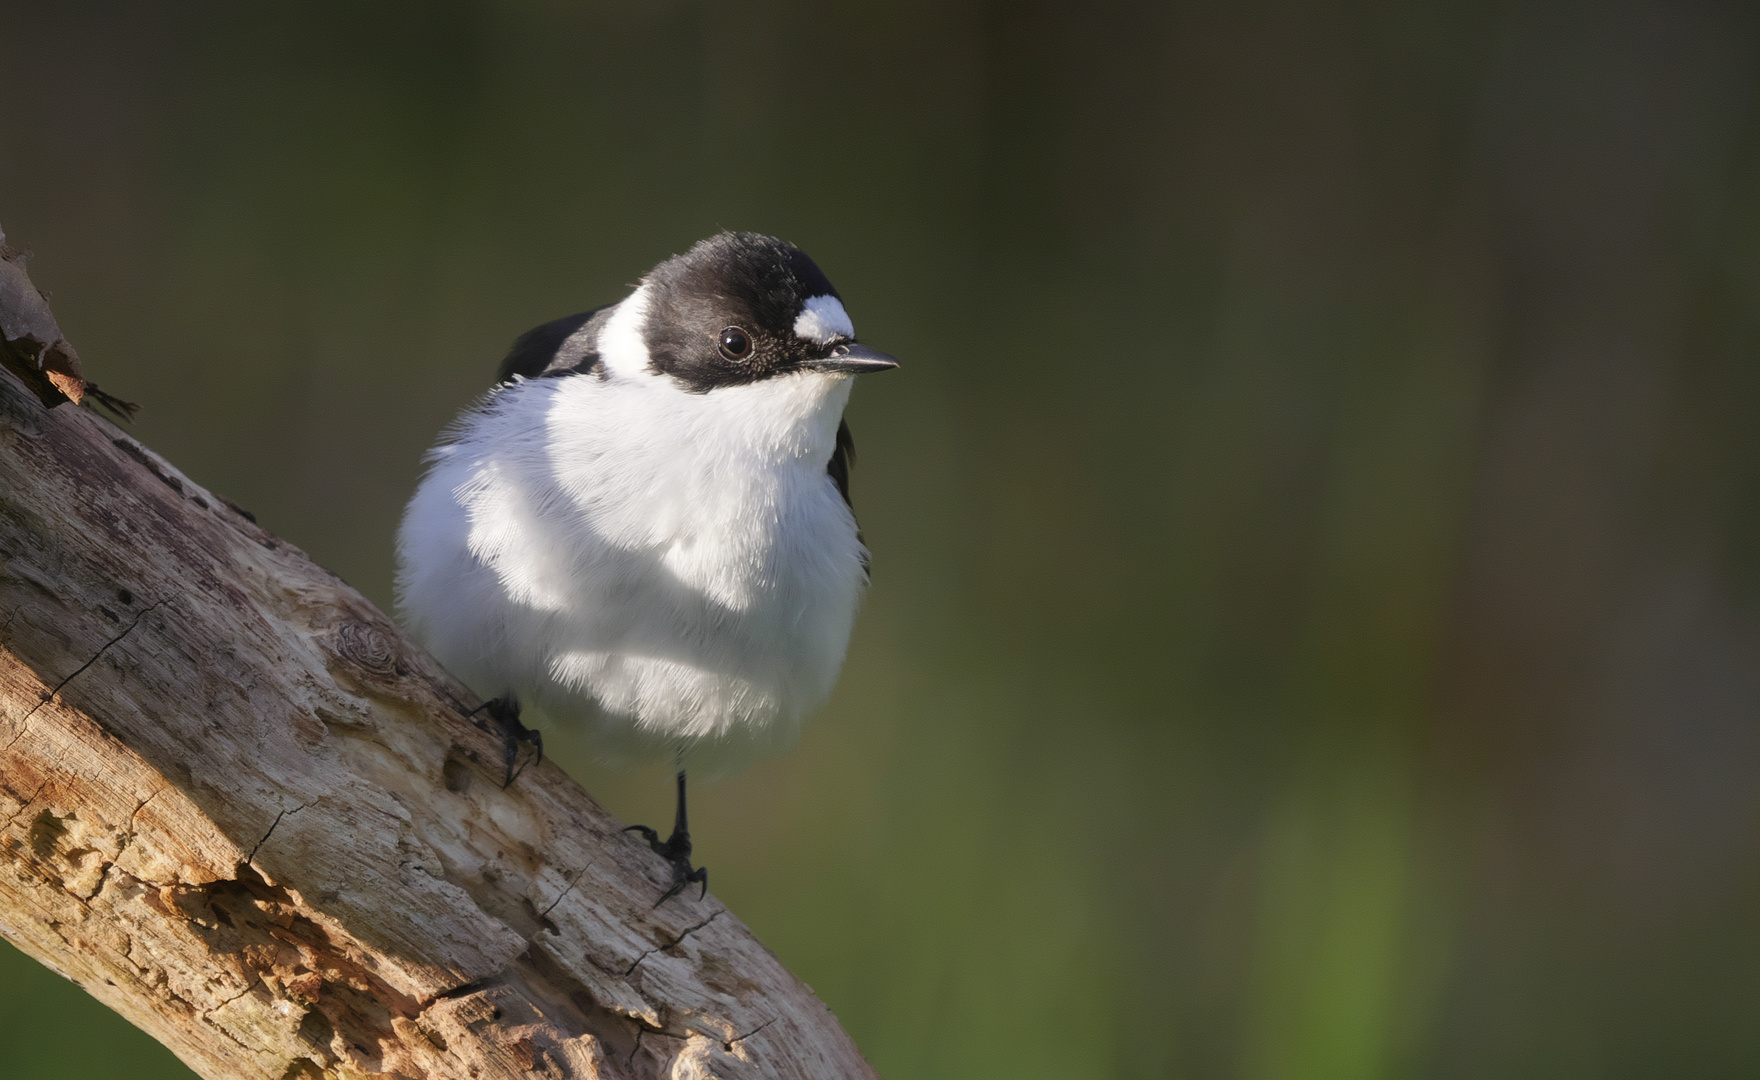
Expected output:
(843, 455)
(536, 353)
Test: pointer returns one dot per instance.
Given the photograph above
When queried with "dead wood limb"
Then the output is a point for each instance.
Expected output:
(240, 809)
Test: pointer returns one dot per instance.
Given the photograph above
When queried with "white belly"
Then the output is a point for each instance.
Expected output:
(676, 573)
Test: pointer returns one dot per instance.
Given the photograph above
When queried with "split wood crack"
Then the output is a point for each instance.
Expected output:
(102, 649)
(674, 943)
(258, 846)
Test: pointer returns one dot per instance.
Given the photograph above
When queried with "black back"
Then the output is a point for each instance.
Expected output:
(540, 352)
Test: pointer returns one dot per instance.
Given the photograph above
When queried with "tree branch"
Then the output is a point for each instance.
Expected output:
(240, 809)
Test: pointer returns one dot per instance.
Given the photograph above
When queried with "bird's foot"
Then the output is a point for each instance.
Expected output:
(504, 714)
(676, 850)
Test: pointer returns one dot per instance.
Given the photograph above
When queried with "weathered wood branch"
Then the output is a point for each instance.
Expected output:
(240, 809)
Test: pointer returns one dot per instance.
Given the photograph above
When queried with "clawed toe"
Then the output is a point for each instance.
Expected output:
(676, 850)
(683, 876)
(652, 837)
(504, 713)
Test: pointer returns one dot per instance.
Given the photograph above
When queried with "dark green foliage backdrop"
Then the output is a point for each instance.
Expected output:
(1316, 621)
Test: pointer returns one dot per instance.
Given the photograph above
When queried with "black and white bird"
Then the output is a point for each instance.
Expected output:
(644, 529)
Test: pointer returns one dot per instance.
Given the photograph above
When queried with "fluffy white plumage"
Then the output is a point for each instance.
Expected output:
(674, 571)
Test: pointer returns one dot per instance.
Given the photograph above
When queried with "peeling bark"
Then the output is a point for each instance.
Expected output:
(32, 346)
(240, 809)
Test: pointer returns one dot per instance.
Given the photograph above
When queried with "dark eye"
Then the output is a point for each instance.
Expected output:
(735, 344)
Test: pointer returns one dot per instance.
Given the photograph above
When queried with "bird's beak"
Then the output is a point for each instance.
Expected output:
(851, 358)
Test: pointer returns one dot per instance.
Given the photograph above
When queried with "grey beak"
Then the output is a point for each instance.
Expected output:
(853, 359)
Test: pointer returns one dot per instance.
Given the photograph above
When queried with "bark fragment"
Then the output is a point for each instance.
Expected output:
(32, 345)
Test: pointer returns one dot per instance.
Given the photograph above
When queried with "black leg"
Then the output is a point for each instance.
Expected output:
(676, 850)
(504, 711)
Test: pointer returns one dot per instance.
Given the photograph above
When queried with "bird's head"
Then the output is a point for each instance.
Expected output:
(735, 310)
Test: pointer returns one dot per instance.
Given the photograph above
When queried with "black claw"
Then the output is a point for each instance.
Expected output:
(676, 850)
(648, 834)
(504, 711)
(677, 887)
(682, 876)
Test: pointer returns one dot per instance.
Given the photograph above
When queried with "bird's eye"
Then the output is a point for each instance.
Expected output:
(735, 344)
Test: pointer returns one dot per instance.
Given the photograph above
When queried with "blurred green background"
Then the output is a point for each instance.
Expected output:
(1316, 616)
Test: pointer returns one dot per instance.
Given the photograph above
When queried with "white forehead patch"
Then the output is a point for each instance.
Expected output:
(822, 318)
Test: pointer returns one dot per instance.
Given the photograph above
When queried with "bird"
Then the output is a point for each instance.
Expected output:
(644, 529)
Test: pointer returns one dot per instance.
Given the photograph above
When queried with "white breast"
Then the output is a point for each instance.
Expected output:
(675, 571)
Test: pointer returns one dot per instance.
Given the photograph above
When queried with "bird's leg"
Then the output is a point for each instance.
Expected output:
(504, 711)
(676, 850)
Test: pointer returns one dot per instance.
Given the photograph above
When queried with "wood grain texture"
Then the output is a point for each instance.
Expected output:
(239, 808)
